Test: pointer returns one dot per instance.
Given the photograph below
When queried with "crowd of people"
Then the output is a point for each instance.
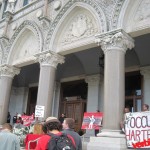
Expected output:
(60, 130)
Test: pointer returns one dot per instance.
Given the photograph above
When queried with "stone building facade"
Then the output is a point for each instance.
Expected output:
(48, 47)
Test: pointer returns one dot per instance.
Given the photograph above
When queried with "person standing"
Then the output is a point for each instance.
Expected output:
(8, 117)
(15, 118)
(68, 128)
(61, 119)
(122, 123)
(8, 140)
(145, 107)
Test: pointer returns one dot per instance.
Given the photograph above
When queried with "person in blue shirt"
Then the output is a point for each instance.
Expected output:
(8, 140)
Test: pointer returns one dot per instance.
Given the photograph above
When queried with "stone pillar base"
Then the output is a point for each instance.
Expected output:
(108, 140)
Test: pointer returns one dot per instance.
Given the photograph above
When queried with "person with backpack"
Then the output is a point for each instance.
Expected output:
(54, 139)
(68, 128)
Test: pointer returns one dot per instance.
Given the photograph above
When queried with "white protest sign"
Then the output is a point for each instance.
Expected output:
(137, 129)
(39, 111)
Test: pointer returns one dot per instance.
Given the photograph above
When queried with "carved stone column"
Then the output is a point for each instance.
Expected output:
(93, 92)
(145, 71)
(48, 63)
(114, 44)
(6, 76)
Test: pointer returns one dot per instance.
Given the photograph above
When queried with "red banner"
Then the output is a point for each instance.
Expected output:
(92, 120)
(27, 120)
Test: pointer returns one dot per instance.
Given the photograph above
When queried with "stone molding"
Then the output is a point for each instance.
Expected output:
(93, 79)
(9, 71)
(49, 58)
(115, 40)
(145, 71)
(64, 10)
(31, 25)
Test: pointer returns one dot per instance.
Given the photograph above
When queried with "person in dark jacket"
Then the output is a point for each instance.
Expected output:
(8, 117)
(68, 128)
(61, 119)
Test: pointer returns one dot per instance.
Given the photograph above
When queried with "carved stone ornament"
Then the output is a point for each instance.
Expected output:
(112, 10)
(82, 26)
(8, 16)
(49, 58)
(26, 24)
(57, 4)
(67, 6)
(9, 71)
(116, 40)
(11, 6)
(45, 23)
(3, 41)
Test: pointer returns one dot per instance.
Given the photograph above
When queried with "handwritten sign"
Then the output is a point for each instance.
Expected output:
(92, 120)
(137, 129)
(39, 111)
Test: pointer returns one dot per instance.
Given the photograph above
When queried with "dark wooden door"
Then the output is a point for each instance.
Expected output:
(75, 110)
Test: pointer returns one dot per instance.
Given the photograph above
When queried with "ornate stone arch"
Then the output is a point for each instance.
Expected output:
(33, 30)
(135, 17)
(89, 5)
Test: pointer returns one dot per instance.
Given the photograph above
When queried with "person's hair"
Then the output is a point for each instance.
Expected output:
(56, 125)
(146, 105)
(7, 126)
(44, 128)
(70, 122)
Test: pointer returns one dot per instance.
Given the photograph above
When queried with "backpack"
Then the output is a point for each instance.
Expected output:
(60, 142)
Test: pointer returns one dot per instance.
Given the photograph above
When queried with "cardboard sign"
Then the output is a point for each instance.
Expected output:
(92, 120)
(137, 129)
(39, 111)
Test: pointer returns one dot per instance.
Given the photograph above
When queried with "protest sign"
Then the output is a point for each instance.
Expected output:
(27, 120)
(137, 129)
(92, 120)
(39, 111)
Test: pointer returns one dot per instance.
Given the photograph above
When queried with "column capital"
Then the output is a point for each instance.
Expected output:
(9, 71)
(49, 58)
(115, 40)
(145, 71)
(93, 79)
